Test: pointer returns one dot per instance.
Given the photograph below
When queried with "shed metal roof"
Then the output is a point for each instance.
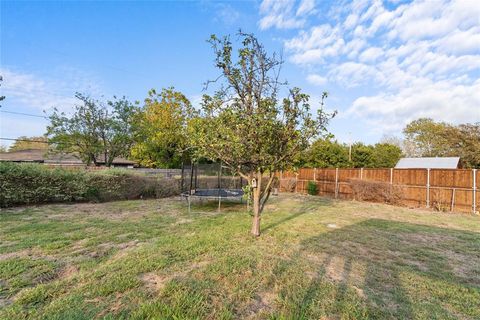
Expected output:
(428, 163)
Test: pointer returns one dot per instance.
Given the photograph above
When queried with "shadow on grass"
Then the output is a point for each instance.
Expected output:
(305, 207)
(211, 205)
(393, 270)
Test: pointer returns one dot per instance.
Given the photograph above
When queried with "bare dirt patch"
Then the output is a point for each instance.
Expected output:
(263, 304)
(335, 269)
(17, 254)
(154, 282)
(27, 253)
(68, 271)
(182, 221)
(103, 249)
(426, 238)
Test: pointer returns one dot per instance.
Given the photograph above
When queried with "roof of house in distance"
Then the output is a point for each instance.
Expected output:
(428, 163)
(41, 156)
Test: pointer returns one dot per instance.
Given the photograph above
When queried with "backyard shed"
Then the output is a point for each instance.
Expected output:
(429, 163)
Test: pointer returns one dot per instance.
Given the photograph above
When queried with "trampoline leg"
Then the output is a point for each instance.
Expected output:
(219, 203)
(188, 199)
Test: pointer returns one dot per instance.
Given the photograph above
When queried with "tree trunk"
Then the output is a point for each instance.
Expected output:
(256, 206)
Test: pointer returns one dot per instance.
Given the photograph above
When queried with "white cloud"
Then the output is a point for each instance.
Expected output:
(317, 80)
(32, 94)
(226, 14)
(285, 14)
(443, 101)
(306, 7)
(39, 93)
(410, 59)
(371, 54)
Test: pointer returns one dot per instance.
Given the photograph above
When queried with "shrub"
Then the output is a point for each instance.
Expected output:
(164, 188)
(290, 184)
(312, 188)
(34, 183)
(375, 191)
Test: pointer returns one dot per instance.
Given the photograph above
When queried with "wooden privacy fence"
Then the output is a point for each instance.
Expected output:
(446, 189)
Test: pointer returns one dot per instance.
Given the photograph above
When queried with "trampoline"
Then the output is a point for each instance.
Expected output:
(210, 181)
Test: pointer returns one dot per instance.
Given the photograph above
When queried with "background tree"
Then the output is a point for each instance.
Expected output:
(385, 155)
(329, 153)
(25, 143)
(160, 129)
(3, 148)
(427, 137)
(244, 124)
(96, 132)
(464, 142)
(440, 139)
(362, 155)
(325, 153)
(407, 146)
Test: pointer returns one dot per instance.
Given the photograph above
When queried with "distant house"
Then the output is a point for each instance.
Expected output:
(429, 163)
(63, 160)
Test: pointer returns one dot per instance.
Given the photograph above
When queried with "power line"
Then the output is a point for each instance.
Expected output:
(24, 114)
(98, 64)
(38, 141)
(26, 140)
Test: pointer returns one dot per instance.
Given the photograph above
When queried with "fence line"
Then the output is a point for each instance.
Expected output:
(456, 189)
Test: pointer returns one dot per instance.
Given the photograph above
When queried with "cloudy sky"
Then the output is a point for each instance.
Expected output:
(384, 63)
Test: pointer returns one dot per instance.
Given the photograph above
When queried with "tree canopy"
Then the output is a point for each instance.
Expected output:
(439, 139)
(329, 153)
(325, 153)
(25, 143)
(160, 129)
(96, 132)
(246, 125)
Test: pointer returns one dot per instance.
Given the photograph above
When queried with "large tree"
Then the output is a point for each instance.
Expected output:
(245, 124)
(97, 132)
(160, 139)
(427, 137)
(440, 139)
(464, 142)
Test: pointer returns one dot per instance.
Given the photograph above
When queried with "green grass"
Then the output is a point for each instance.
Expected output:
(315, 259)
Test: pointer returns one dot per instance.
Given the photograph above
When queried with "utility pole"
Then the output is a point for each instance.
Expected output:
(350, 147)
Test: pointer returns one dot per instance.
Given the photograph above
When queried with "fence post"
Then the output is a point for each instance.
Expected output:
(452, 205)
(428, 188)
(336, 183)
(296, 182)
(474, 198)
(391, 175)
(315, 174)
(361, 173)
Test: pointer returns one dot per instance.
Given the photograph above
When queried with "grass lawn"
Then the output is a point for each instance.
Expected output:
(316, 259)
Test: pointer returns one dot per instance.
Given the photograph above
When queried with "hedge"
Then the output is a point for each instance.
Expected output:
(34, 183)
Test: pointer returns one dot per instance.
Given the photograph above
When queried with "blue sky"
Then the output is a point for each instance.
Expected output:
(383, 63)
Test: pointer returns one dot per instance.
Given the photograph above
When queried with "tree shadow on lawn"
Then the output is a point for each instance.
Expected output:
(390, 270)
(304, 208)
